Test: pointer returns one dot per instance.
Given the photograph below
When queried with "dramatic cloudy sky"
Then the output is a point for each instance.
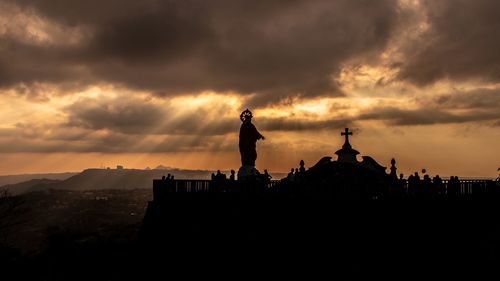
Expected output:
(85, 83)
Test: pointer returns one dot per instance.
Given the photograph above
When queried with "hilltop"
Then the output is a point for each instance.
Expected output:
(100, 179)
(14, 179)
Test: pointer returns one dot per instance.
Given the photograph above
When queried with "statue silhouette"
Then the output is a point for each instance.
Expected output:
(248, 138)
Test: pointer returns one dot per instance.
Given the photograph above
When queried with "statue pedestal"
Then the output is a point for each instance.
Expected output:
(247, 172)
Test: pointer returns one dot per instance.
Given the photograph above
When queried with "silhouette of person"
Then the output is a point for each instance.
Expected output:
(267, 176)
(297, 175)
(290, 175)
(302, 169)
(248, 139)
(231, 187)
(416, 183)
(427, 185)
(458, 187)
(438, 184)
(402, 181)
(220, 176)
(219, 181)
(232, 177)
(412, 184)
(453, 188)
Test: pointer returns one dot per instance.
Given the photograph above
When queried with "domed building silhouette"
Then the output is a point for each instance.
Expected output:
(345, 177)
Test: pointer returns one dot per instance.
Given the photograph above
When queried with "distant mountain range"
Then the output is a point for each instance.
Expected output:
(26, 186)
(98, 179)
(13, 179)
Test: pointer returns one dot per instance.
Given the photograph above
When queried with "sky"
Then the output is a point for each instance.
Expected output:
(92, 83)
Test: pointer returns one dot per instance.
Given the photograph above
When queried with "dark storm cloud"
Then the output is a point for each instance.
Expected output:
(423, 116)
(116, 116)
(477, 105)
(23, 63)
(462, 42)
(273, 48)
(474, 99)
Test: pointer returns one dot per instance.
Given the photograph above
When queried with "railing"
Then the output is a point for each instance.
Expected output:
(191, 185)
(181, 185)
(462, 188)
(470, 186)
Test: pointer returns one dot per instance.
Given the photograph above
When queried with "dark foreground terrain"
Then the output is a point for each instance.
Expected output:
(61, 235)
(100, 235)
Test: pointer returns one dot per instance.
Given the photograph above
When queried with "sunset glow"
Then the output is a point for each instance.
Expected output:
(105, 88)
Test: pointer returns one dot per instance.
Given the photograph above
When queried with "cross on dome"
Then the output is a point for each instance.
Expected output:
(346, 133)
